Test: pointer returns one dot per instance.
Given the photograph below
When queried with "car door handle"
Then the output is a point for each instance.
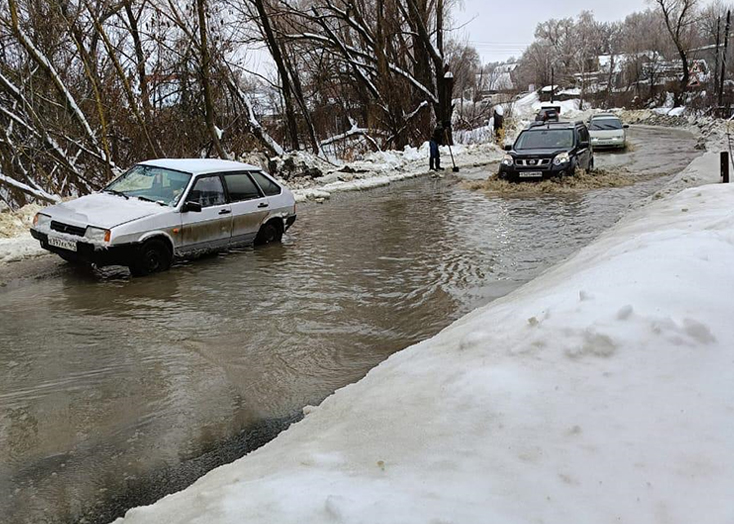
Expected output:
(225, 211)
(264, 204)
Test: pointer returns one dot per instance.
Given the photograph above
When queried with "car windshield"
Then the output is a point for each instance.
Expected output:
(545, 139)
(151, 183)
(605, 124)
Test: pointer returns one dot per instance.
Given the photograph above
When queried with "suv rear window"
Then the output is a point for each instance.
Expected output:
(545, 139)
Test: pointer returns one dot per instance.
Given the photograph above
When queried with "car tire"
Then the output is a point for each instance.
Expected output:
(154, 256)
(269, 233)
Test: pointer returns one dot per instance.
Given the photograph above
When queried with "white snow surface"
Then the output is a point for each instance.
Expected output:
(601, 392)
(19, 248)
(384, 167)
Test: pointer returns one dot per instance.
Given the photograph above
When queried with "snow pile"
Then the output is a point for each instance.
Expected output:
(20, 247)
(384, 167)
(528, 106)
(13, 223)
(603, 392)
(16, 242)
(670, 111)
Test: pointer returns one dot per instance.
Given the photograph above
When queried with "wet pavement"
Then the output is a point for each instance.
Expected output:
(115, 391)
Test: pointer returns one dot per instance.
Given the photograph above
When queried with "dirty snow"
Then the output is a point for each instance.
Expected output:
(603, 391)
(384, 167)
(16, 243)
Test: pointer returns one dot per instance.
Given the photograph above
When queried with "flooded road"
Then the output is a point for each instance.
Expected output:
(116, 391)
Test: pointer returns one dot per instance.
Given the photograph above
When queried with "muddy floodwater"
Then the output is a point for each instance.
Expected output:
(115, 391)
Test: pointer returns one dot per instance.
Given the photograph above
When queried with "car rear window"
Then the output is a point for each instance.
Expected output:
(545, 139)
(605, 124)
(241, 187)
(269, 187)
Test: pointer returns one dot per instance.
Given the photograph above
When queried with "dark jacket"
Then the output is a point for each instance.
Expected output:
(499, 120)
(438, 135)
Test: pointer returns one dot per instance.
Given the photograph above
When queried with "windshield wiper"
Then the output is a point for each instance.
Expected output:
(118, 193)
(146, 199)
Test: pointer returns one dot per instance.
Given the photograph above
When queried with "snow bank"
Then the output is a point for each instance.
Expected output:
(603, 392)
(13, 223)
(16, 243)
(20, 247)
(384, 167)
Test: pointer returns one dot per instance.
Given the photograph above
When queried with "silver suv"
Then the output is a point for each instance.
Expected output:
(164, 208)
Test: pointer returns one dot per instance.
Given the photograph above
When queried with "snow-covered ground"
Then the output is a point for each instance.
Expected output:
(382, 168)
(603, 392)
(16, 243)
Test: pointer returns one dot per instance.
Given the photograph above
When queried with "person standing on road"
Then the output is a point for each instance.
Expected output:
(434, 162)
(498, 124)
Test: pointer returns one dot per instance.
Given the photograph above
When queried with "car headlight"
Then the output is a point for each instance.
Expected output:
(561, 158)
(508, 160)
(41, 220)
(96, 234)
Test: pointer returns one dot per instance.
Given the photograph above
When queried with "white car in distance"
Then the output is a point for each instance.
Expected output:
(166, 208)
(607, 130)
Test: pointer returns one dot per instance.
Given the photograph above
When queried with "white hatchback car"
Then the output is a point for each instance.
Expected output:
(163, 208)
(607, 130)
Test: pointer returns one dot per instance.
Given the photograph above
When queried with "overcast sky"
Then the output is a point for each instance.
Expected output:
(501, 29)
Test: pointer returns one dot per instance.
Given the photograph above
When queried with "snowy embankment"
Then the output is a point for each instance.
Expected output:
(16, 243)
(603, 391)
(382, 168)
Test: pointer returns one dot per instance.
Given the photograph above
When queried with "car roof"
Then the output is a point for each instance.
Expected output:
(197, 166)
(604, 115)
(548, 125)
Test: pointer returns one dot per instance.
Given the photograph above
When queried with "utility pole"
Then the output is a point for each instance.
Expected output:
(716, 57)
(723, 59)
(553, 83)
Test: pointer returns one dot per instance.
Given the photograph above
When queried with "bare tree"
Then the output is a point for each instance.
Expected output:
(679, 17)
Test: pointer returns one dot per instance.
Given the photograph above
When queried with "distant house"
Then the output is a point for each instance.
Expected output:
(495, 80)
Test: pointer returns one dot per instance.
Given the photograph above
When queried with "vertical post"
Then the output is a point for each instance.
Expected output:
(723, 58)
(716, 56)
(725, 166)
(553, 83)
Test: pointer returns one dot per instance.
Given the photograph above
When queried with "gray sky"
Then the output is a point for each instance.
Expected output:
(501, 29)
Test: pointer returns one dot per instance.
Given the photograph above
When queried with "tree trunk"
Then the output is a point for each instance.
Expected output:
(205, 79)
(282, 71)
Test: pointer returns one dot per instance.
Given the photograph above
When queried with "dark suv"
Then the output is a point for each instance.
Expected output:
(548, 149)
(548, 114)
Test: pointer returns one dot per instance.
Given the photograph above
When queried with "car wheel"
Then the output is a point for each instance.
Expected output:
(269, 233)
(154, 256)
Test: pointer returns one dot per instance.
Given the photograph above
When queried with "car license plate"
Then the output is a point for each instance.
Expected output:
(62, 243)
(531, 174)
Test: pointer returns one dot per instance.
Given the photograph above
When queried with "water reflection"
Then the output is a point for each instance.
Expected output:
(115, 391)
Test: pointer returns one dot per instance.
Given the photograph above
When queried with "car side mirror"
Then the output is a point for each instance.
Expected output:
(194, 207)
(584, 144)
(508, 147)
(626, 126)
